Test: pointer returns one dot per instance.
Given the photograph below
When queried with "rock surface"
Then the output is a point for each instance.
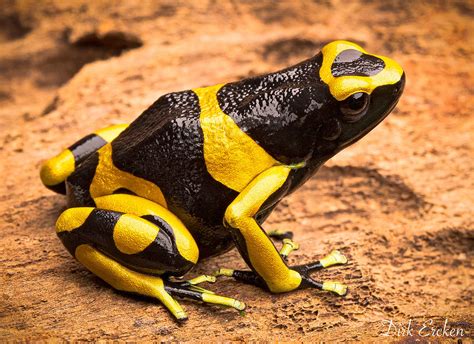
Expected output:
(398, 204)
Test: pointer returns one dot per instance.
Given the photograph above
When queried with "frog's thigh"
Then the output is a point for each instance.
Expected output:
(181, 239)
(153, 241)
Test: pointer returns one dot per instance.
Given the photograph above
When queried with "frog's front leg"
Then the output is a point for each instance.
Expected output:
(268, 265)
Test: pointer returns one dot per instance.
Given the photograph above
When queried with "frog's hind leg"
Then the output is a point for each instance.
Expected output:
(129, 241)
(55, 170)
(125, 279)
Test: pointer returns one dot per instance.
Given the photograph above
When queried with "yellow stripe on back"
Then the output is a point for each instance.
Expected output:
(232, 157)
(109, 178)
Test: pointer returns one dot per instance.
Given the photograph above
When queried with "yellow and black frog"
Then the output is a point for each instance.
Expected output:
(199, 171)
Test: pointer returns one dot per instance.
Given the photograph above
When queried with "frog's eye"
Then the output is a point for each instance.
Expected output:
(354, 107)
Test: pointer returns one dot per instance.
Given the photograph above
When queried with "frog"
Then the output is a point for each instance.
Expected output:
(200, 170)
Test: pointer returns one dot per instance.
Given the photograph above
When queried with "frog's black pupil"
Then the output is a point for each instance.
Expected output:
(355, 105)
(356, 101)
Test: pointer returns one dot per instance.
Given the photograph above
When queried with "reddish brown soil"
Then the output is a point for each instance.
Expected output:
(399, 203)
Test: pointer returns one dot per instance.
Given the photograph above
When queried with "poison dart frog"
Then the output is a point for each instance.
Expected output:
(199, 171)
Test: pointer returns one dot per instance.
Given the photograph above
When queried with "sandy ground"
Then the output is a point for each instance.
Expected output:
(398, 204)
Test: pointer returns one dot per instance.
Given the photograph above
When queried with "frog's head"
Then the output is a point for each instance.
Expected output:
(364, 89)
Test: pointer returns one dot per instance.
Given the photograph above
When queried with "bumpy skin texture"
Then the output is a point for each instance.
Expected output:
(173, 150)
(220, 158)
(286, 113)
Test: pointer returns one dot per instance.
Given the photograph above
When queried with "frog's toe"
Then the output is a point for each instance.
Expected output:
(224, 272)
(335, 287)
(189, 289)
(245, 276)
(202, 279)
(333, 258)
(192, 284)
(288, 247)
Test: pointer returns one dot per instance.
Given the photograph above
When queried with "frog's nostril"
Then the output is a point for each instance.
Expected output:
(399, 86)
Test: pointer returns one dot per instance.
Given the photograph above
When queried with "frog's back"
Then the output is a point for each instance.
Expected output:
(160, 157)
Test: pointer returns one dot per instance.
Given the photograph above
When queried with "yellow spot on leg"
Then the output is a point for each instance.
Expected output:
(139, 206)
(133, 234)
(57, 169)
(72, 218)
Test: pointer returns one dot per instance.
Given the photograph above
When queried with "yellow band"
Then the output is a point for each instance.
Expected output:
(344, 86)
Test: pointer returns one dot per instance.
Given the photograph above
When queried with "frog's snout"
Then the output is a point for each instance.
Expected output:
(399, 86)
(348, 69)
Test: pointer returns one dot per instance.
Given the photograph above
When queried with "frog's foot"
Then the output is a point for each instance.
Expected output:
(288, 244)
(288, 247)
(333, 258)
(190, 289)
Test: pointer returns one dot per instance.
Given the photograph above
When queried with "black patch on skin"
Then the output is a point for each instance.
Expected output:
(85, 146)
(331, 129)
(97, 231)
(58, 188)
(77, 184)
(280, 111)
(162, 224)
(165, 146)
(124, 191)
(352, 62)
(249, 277)
(80, 150)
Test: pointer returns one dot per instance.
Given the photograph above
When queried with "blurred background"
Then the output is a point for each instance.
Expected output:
(398, 203)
